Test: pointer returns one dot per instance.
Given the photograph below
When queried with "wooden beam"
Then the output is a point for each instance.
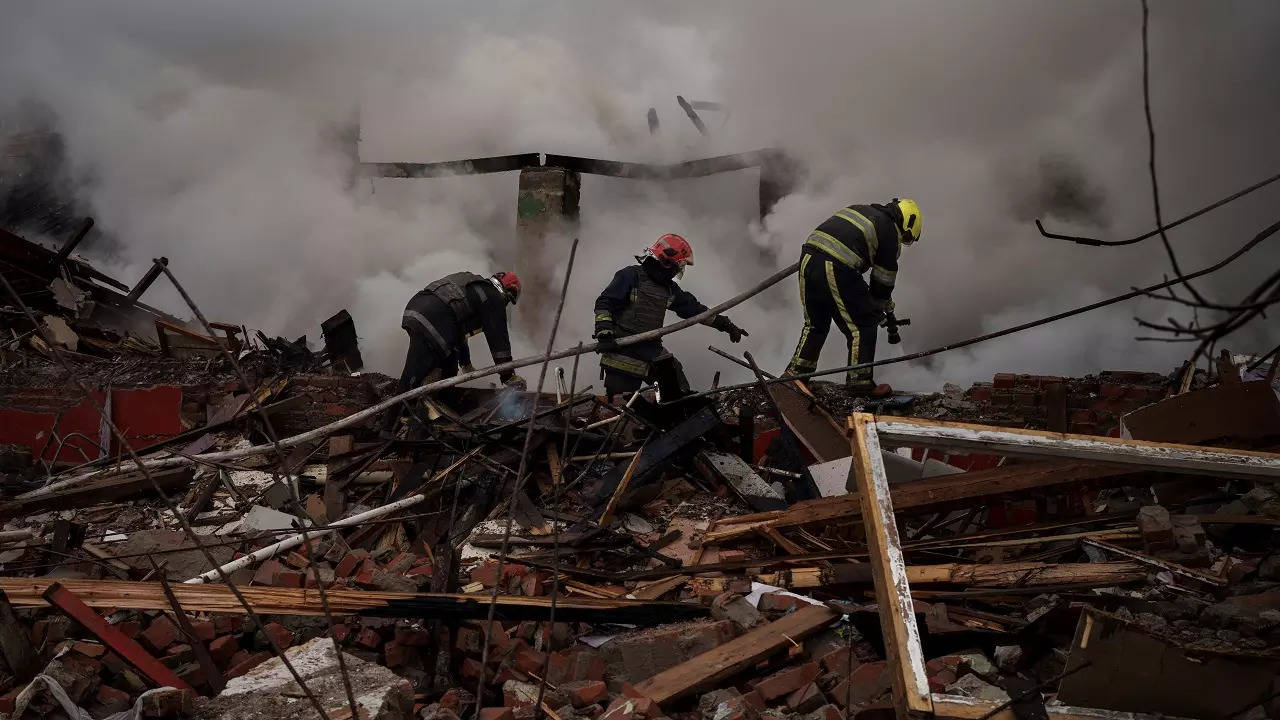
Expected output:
(1219, 462)
(904, 655)
(725, 661)
(606, 518)
(1004, 575)
(942, 491)
(1155, 562)
(213, 598)
(96, 491)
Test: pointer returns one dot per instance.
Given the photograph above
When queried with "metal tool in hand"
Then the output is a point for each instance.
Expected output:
(892, 323)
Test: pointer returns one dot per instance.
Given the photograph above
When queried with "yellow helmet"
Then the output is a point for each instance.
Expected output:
(908, 219)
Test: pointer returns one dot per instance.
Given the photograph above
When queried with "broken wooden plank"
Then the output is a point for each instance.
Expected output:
(658, 453)
(1003, 575)
(131, 652)
(658, 588)
(1216, 461)
(122, 594)
(950, 491)
(606, 518)
(821, 434)
(1155, 562)
(727, 660)
(101, 490)
(904, 656)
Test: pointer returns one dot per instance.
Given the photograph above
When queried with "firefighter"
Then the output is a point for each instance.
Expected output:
(637, 300)
(856, 239)
(442, 316)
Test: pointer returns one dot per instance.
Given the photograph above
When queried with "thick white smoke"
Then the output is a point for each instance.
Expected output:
(213, 135)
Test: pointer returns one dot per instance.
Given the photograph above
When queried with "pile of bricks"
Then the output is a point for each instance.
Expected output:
(1093, 404)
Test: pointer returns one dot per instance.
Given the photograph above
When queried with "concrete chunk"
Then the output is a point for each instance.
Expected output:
(269, 690)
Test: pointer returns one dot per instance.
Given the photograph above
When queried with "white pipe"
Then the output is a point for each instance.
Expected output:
(296, 540)
(10, 536)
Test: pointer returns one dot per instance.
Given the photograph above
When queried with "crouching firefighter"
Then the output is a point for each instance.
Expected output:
(836, 254)
(636, 301)
(442, 316)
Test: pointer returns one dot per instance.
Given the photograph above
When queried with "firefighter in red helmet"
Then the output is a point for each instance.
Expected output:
(442, 316)
(637, 300)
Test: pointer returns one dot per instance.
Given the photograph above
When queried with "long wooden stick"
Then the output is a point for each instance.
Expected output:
(374, 410)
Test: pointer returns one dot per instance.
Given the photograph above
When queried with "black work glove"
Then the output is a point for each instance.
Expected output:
(725, 325)
(608, 343)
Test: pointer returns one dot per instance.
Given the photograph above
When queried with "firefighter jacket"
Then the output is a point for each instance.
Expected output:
(455, 307)
(635, 301)
(862, 237)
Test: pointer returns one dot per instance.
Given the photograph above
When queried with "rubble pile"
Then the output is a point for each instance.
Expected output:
(510, 555)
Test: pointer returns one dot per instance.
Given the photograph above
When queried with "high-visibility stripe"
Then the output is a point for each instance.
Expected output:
(835, 295)
(604, 317)
(884, 276)
(798, 363)
(625, 364)
(864, 224)
(835, 249)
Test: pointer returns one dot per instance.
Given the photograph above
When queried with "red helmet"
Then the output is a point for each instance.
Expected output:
(672, 251)
(509, 284)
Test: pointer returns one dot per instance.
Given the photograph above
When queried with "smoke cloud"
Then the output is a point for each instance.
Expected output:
(222, 136)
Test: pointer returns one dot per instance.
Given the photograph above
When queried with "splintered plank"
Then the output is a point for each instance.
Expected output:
(127, 595)
(818, 432)
(1217, 461)
(943, 490)
(904, 655)
(721, 663)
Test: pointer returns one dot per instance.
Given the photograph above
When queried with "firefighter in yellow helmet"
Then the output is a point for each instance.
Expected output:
(854, 240)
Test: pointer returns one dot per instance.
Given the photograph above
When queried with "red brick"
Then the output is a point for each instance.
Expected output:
(160, 634)
(398, 655)
(203, 630)
(296, 560)
(222, 649)
(487, 573)
(290, 579)
(1004, 380)
(569, 665)
(777, 602)
(584, 692)
(369, 638)
(340, 633)
(529, 661)
(88, 649)
(130, 628)
(451, 699)
(806, 699)
(267, 573)
(866, 683)
(756, 700)
(412, 636)
(471, 668)
(364, 575)
(497, 713)
(837, 661)
(401, 563)
(787, 680)
(111, 699)
(350, 562)
(228, 624)
(247, 664)
(423, 569)
(282, 636)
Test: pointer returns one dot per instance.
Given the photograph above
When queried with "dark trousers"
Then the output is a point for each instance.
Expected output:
(667, 373)
(832, 291)
(422, 359)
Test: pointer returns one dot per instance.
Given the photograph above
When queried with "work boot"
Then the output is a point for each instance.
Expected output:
(869, 390)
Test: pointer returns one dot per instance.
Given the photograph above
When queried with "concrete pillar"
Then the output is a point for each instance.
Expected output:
(546, 218)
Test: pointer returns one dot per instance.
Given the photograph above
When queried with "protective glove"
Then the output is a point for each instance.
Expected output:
(885, 306)
(608, 342)
(725, 325)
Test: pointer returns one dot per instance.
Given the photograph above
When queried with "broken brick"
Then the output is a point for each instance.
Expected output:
(221, 650)
(111, 699)
(866, 683)
(160, 634)
(247, 664)
(203, 630)
(369, 638)
(584, 692)
(787, 681)
(776, 602)
(350, 562)
(806, 699)
(279, 634)
(268, 573)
